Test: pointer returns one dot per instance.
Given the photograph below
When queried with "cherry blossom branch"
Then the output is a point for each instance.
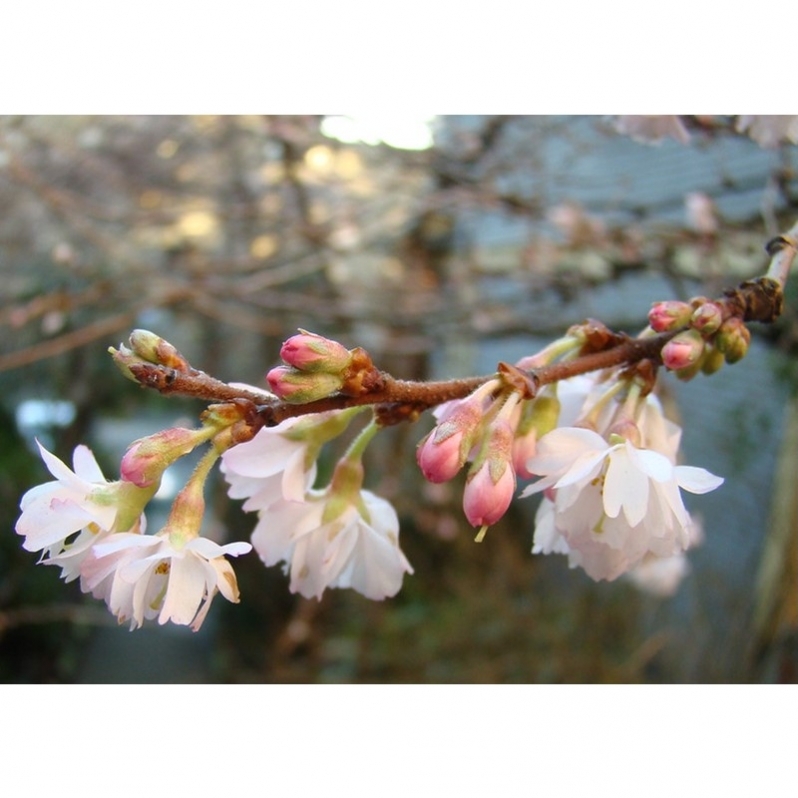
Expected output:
(754, 300)
(162, 368)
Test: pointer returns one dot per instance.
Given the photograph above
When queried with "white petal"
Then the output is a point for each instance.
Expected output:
(61, 471)
(186, 588)
(376, 568)
(625, 486)
(558, 449)
(539, 485)
(655, 465)
(547, 539)
(383, 515)
(696, 480)
(585, 468)
(85, 465)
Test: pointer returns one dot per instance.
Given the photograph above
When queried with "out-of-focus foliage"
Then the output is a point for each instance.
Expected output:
(225, 234)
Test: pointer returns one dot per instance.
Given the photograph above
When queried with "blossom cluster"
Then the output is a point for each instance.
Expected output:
(597, 447)
(95, 531)
(339, 536)
(612, 493)
(606, 458)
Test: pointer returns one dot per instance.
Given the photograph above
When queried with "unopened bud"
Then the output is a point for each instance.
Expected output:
(538, 417)
(147, 458)
(300, 387)
(124, 359)
(707, 318)
(444, 451)
(733, 339)
(713, 360)
(683, 350)
(440, 460)
(310, 352)
(491, 482)
(154, 349)
(670, 315)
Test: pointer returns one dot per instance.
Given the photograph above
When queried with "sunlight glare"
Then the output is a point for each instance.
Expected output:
(401, 131)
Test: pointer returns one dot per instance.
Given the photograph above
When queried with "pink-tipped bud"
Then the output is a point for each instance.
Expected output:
(491, 485)
(300, 387)
(445, 450)
(310, 352)
(707, 318)
(440, 460)
(733, 339)
(670, 315)
(683, 350)
(147, 458)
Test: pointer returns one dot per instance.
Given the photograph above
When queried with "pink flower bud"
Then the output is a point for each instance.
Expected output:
(310, 352)
(490, 487)
(707, 318)
(670, 315)
(486, 501)
(300, 387)
(683, 350)
(444, 451)
(440, 460)
(147, 458)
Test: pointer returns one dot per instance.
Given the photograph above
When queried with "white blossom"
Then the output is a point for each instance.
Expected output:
(147, 576)
(611, 503)
(359, 548)
(268, 467)
(65, 517)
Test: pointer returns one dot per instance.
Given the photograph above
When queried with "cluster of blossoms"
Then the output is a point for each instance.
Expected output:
(339, 536)
(588, 434)
(605, 455)
(95, 530)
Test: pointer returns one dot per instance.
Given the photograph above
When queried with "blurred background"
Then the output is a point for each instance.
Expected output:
(442, 245)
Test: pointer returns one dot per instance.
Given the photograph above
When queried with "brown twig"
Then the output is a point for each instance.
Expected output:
(399, 400)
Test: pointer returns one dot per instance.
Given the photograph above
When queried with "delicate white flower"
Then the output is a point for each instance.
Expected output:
(65, 517)
(144, 576)
(270, 466)
(359, 548)
(612, 503)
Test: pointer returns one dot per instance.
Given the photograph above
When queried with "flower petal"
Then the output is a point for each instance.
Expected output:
(696, 480)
